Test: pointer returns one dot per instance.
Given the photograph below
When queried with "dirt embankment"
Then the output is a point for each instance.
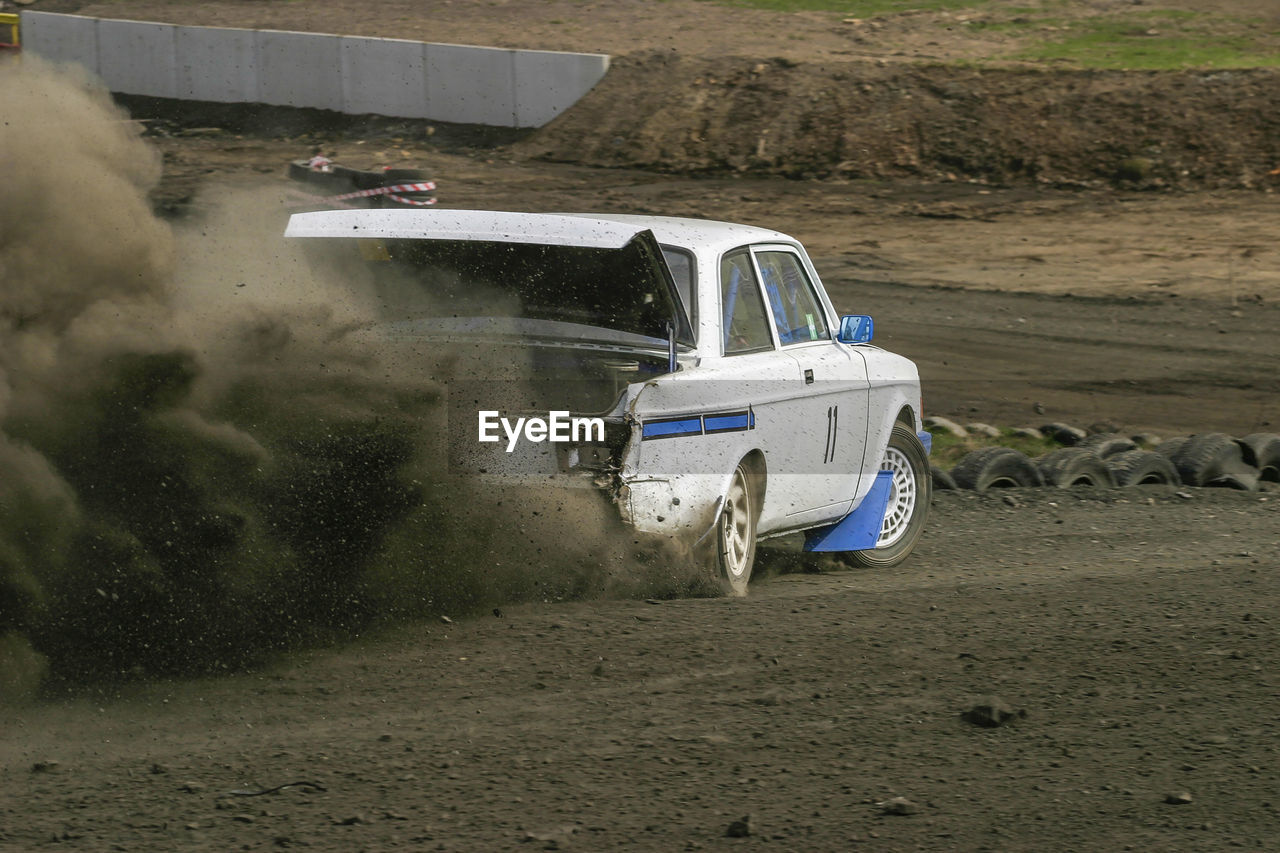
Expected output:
(711, 88)
(857, 119)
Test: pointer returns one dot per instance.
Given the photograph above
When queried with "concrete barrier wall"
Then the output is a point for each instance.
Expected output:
(62, 38)
(392, 77)
(298, 69)
(468, 85)
(213, 64)
(133, 50)
(384, 76)
(549, 83)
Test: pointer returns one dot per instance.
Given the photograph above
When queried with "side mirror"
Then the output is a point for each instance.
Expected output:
(855, 329)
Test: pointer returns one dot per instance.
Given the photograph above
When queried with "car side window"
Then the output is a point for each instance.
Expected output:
(797, 314)
(746, 327)
(680, 263)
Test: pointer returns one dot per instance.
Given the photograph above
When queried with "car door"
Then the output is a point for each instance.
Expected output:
(752, 366)
(829, 404)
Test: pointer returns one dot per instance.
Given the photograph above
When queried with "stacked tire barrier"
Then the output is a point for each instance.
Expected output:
(1109, 460)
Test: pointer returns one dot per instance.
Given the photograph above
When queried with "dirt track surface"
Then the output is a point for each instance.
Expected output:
(1137, 631)
(1136, 628)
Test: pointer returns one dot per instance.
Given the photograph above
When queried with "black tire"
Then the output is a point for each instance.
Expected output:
(909, 500)
(342, 179)
(1142, 468)
(1214, 459)
(1170, 446)
(735, 552)
(941, 479)
(372, 179)
(335, 181)
(1075, 466)
(1064, 434)
(1262, 451)
(996, 468)
(1108, 444)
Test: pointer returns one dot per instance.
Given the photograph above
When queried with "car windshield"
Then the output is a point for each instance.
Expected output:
(615, 289)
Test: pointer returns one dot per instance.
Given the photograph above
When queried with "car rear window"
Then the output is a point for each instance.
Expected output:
(612, 289)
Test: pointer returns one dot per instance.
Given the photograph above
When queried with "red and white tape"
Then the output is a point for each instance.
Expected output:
(392, 192)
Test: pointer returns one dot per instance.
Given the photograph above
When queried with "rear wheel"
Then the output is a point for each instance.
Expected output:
(910, 491)
(736, 532)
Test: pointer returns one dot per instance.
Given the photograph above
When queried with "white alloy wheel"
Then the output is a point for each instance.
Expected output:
(910, 492)
(902, 497)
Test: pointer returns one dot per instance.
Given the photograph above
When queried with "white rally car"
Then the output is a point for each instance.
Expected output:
(720, 397)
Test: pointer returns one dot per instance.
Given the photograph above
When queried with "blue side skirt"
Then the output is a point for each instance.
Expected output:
(859, 530)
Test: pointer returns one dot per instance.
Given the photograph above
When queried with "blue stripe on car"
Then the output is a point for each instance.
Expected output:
(687, 425)
(730, 422)
(672, 428)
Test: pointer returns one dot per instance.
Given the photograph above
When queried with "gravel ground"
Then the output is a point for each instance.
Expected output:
(1136, 629)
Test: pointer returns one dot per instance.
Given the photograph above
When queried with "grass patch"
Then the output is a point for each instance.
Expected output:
(857, 8)
(1154, 41)
(1164, 39)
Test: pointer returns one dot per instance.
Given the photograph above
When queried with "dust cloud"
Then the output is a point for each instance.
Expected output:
(199, 467)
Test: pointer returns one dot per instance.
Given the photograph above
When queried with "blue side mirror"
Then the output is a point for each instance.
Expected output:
(856, 329)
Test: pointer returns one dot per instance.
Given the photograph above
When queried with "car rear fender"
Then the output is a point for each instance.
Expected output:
(675, 484)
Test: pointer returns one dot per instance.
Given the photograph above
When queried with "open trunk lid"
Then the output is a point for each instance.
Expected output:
(549, 268)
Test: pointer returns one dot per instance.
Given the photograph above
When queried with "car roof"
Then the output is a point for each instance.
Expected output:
(594, 230)
(481, 225)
